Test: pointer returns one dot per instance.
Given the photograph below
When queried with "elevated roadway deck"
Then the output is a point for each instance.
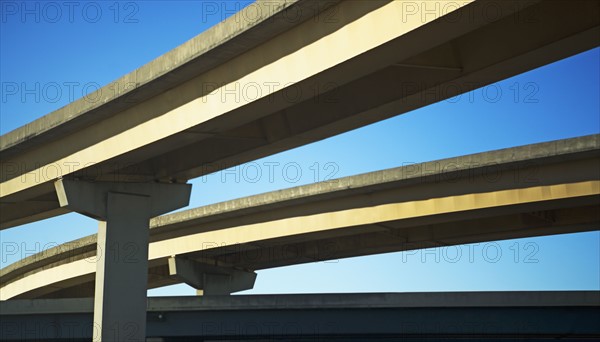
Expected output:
(298, 72)
(533, 190)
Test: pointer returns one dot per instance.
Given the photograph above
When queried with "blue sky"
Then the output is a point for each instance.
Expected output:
(52, 54)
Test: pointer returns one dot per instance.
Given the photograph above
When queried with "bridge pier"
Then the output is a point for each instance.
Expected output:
(211, 279)
(124, 211)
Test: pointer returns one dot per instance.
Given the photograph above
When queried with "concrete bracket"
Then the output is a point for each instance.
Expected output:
(124, 211)
(91, 198)
(211, 279)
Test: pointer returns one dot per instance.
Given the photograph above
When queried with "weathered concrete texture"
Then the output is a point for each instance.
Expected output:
(124, 211)
(210, 279)
(220, 43)
(439, 170)
(552, 166)
(504, 159)
(391, 67)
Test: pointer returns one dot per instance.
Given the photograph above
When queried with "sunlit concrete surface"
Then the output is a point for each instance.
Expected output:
(124, 211)
(532, 190)
(246, 89)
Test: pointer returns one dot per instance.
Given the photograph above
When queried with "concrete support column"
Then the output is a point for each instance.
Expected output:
(124, 211)
(122, 264)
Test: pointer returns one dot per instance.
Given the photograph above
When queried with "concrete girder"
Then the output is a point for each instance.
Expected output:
(551, 188)
(405, 65)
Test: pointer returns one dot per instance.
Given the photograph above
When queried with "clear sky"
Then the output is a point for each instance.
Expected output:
(53, 54)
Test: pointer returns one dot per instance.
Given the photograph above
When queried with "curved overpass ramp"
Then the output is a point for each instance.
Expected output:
(533, 190)
(299, 72)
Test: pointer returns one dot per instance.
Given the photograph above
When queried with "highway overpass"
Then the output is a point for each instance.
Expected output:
(533, 190)
(249, 88)
(454, 316)
(298, 72)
